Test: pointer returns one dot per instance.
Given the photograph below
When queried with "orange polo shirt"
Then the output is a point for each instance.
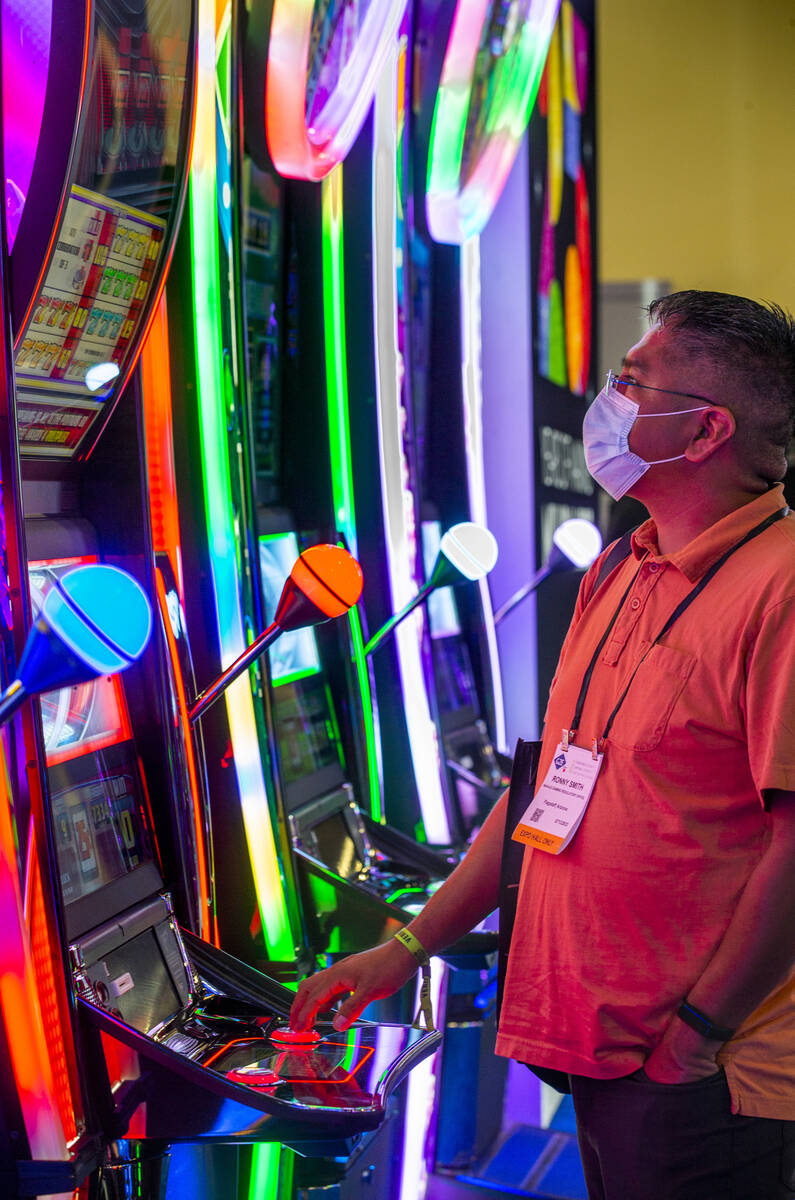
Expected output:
(613, 933)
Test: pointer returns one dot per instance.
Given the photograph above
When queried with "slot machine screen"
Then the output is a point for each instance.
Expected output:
(303, 710)
(331, 842)
(455, 683)
(295, 654)
(95, 784)
(442, 609)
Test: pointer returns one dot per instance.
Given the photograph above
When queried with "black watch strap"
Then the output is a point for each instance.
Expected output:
(699, 1021)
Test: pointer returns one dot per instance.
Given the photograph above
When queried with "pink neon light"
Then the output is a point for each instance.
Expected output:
(462, 48)
(26, 33)
(309, 144)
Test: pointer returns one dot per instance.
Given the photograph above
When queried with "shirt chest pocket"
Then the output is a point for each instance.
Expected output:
(659, 681)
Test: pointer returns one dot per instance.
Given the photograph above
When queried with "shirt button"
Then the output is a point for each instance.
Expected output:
(654, 566)
(635, 603)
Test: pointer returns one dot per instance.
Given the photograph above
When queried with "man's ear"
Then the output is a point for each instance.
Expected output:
(716, 428)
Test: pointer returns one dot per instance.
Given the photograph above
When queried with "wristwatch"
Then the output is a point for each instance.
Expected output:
(699, 1021)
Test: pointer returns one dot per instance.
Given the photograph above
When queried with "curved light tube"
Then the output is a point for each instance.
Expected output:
(224, 577)
(399, 534)
(26, 45)
(307, 140)
(472, 399)
(460, 198)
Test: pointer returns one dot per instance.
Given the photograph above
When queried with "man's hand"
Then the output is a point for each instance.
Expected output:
(363, 977)
(682, 1055)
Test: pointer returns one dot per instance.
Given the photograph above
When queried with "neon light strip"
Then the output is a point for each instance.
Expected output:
(264, 1180)
(312, 151)
(340, 452)
(399, 532)
(218, 507)
(457, 207)
(205, 915)
(420, 1096)
(20, 1001)
(472, 379)
(156, 388)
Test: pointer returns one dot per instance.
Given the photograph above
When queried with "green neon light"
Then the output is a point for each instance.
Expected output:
(403, 893)
(291, 678)
(353, 1038)
(340, 449)
(460, 198)
(332, 726)
(336, 358)
(263, 1183)
(211, 398)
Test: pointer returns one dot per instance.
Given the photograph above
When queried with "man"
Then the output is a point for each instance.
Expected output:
(652, 958)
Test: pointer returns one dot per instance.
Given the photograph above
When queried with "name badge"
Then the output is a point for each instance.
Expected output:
(551, 819)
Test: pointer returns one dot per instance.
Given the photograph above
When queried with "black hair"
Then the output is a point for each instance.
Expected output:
(751, 347)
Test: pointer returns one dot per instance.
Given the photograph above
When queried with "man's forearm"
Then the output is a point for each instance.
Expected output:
(753, 958)
(758, 949)
(470, 893)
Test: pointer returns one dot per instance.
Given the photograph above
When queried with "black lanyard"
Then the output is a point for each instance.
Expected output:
(675, 615)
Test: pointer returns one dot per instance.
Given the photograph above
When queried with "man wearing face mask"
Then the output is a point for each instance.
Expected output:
(653, 953)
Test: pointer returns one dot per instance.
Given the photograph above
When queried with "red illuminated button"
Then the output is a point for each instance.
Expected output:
(289, 1037)
(253, 1076)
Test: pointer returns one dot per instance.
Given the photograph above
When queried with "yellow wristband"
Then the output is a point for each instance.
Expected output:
(416, 948)
(413, 945)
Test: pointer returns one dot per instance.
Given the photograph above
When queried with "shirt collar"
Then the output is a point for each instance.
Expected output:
(698, 556)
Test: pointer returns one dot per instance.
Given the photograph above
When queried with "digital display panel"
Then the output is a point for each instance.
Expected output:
(107, 254)
(97, 285)
(302, 706)
(92, 771)
(442, 610)
(294, 654)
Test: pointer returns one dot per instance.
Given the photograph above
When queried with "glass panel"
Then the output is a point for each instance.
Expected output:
(92, 772)
(107, 254)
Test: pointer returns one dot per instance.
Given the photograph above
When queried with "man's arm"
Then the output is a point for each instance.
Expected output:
(754, 956)
(464, 899)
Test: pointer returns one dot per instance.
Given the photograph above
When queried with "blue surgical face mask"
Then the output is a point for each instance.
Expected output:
(605, 433)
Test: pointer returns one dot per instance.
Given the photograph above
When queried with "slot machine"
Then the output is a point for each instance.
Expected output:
(347, 878)
(458, 107)
(165, 1037)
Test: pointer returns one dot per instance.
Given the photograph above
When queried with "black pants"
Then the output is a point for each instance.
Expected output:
(641, 1140)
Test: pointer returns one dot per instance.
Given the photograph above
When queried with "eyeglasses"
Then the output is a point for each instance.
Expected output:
(614, 381)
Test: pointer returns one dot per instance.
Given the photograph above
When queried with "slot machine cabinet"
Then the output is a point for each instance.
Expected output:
(270, 311)
(174, 1039)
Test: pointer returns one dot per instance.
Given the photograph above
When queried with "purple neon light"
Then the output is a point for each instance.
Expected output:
(26, 39)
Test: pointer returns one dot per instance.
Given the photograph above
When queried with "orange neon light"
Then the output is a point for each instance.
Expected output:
(208, 927)
(307, 142)
(156, 379)
(284, 1058)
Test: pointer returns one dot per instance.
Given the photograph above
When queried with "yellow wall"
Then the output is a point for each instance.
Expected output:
(696, 143)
